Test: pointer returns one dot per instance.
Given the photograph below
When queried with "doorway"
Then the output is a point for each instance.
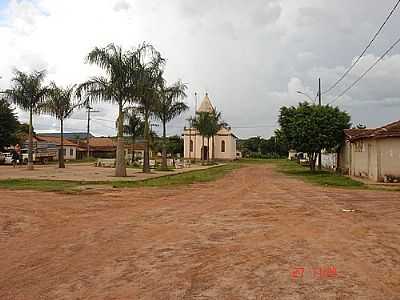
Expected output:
(204, 153)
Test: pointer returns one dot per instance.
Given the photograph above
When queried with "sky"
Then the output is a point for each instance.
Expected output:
(250, 56)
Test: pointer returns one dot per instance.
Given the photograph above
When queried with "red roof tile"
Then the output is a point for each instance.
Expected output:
(54, 139)
(389, 130)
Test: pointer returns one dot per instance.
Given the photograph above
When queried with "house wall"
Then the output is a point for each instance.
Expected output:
(359, 159)
(389, 157)
(70, 152)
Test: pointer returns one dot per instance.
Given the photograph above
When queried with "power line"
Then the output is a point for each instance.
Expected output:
(175, 127)
(256, 126)
(367, 71)
(234, 127)
(364, 51)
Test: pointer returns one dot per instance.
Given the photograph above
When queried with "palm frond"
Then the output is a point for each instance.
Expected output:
(27, 91)
(61, 102)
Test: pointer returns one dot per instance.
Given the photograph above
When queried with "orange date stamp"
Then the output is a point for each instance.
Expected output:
(317, 273)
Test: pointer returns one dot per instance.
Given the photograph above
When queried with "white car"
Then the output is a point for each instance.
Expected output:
(8, 158)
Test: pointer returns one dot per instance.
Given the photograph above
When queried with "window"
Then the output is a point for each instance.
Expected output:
(65, 151)
(71, 152)
(223, 146)
(191, 146)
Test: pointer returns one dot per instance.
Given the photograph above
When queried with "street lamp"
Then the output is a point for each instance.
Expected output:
(304, 94)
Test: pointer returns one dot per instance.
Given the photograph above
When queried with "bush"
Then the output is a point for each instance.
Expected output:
(265, 156)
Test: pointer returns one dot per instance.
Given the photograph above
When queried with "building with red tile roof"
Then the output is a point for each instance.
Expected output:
(372, 153)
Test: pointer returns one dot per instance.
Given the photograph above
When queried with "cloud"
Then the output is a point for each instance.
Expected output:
(251, 56)
(121, 5)
(22, 16)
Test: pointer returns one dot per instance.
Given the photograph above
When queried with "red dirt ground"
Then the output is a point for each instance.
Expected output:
(240, 237)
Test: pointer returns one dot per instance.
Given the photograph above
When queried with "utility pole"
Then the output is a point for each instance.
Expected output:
(89, 109)
(319, 103)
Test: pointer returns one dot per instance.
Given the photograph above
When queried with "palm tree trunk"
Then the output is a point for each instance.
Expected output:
(190, 143)
(164, 147)
(61, 163)
(202, 150)
(194, 146)
(213, 149)
(120, 166)
(146, 158)
(133, 150)
(30, 144)
(208, 149)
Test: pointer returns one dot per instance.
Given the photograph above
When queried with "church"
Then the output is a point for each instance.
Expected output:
(224, 141)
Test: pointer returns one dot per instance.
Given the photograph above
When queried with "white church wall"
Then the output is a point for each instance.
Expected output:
(223, 135)
(230, 146)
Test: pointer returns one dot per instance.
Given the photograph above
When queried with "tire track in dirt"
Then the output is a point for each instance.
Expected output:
(236, 238)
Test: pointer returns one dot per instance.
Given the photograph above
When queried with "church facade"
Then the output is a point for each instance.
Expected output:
(224, 141)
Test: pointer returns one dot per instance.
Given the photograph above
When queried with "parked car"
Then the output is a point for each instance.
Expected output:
(8, 158)
(2, 158)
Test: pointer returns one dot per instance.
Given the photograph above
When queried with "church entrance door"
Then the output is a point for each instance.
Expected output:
(204, 153)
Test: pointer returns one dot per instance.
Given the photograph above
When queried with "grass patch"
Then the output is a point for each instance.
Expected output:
(182, 178)
(324, 178)
(256, 161)
(168, 169)
(40, 185)
(76, 186)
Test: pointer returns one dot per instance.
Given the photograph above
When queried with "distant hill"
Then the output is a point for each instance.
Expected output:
(70, 135)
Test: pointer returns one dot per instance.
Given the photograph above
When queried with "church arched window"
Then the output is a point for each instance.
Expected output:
(223, 146)
(191, 146)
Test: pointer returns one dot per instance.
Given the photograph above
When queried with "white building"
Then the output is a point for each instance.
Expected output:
(224, 141)
(70, 149)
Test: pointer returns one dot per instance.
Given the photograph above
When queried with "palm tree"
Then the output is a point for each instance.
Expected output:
(60, 103)
(149, 64)
(133, 127)
(216, 124)
(168, 108)
(115, 87)
(202, 123)
(28, 92)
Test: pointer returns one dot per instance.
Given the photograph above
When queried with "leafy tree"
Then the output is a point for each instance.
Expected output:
(312, 128)
(168, 108)
(22, 133)
(175, 145)
(61, 104)
(133, 127)
(274, 147)
(258, 147)
(8, 125)
(28, 92)
(281, 143)
(268, 146)
(250, 146)
(115, 87)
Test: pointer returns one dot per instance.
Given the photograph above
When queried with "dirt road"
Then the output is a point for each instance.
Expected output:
(254, 234)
